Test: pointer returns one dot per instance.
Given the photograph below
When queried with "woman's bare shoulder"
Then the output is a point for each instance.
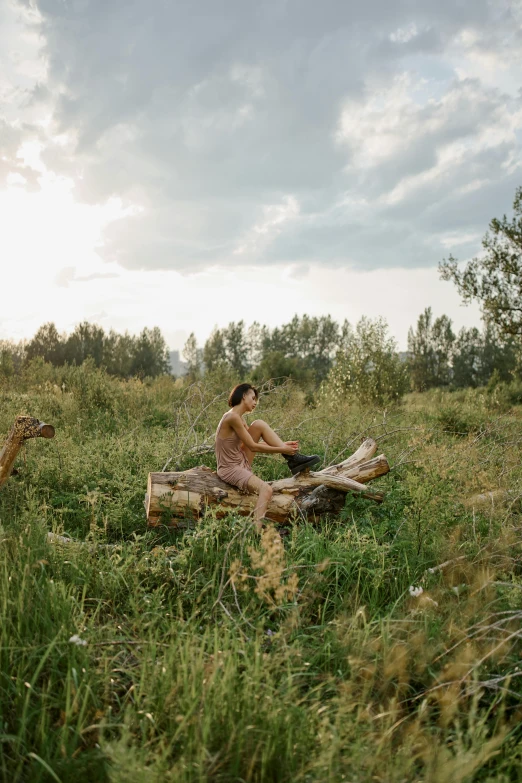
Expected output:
(232, 418)
(229, 419)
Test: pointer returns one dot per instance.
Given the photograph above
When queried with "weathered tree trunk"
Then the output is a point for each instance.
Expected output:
(179, 498)
(491, 498)
(25, 427)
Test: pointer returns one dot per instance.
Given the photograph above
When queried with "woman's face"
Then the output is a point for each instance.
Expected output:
(250, 400)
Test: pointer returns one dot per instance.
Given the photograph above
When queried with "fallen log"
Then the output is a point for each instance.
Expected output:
(24, 428)
(180, 498)
(495, 497)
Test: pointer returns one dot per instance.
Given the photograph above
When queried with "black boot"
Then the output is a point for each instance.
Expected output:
(298, 462)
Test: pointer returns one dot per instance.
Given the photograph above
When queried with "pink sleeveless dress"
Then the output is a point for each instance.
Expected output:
(232, 462)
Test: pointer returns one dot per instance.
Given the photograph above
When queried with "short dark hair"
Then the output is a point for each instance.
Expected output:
(238, 392)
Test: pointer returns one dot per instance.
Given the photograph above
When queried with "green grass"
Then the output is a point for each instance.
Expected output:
(313, 662)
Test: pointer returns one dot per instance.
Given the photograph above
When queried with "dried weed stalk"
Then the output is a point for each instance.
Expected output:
(273, 585)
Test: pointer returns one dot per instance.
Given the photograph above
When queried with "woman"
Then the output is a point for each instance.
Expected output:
(237, 444)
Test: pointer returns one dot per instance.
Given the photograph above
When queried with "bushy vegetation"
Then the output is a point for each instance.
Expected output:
(368, 368)
(438, 357)
(122, 355)
(326, 359)
(361, 362)
(303, 349)
(211, 654)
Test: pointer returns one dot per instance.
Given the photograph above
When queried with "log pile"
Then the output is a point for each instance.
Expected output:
(178, 499)
(25, 427)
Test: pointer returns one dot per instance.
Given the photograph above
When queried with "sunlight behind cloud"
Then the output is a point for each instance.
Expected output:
(160, 165)
(43, 233)
(270, 226)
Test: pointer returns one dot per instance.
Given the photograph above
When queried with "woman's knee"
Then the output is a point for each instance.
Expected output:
(256, 430)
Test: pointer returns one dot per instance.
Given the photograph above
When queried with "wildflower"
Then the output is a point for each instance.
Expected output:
(75, 639)
(415, 591)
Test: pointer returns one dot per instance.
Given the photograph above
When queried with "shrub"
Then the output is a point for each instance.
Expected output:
(504, 395)
(455, 420)
(368, 368)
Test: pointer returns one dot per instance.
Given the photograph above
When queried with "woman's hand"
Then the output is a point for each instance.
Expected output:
(291, 447)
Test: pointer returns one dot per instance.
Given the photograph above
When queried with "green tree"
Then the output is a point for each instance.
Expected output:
(258, 341)
(214, 350)
(307, 343)
(467, 358)
(368, 367)
(12, 357)
(151, 355)
(236, 347)
(85, 340)
(500, 355)
(118, 354)
(494, 279)
(6, 362)
(430, 349)
(324, 344)
(279, 367)
(315, 341)
(192, 357)
(443, 339)
(477, 355)
(48, 344)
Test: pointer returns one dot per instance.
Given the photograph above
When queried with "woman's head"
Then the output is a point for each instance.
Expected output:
(241, 391)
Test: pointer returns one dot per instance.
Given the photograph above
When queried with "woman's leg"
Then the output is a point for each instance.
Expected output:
(296, 462)
(260, 429)
(265, 491)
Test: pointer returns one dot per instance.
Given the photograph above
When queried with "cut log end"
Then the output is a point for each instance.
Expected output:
(24, 428)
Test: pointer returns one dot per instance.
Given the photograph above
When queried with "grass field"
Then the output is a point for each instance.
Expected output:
(212, 655)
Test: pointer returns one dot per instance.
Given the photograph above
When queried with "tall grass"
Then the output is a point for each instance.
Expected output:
(215, 655)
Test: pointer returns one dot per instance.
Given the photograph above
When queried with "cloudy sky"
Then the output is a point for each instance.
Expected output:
(185, 163)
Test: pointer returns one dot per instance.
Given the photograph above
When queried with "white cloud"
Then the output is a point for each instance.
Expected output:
(284, 144)
(404, 34)
(272, 223)
(377, 126)
(203, 119)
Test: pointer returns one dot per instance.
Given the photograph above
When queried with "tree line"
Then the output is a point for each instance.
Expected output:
(317, 352)
(437, 356)
(312, 350)
(122, 355)
(302, 349)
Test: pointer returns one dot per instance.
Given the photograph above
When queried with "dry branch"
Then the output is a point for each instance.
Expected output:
(365, 451)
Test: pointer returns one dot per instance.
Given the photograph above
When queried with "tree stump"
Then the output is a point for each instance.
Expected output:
(25, 427)
(178, 499)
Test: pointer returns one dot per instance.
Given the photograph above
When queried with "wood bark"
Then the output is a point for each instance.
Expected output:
(25, 427)
(180, 498)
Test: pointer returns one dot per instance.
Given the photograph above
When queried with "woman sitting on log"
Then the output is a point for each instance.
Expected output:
(237, 444)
